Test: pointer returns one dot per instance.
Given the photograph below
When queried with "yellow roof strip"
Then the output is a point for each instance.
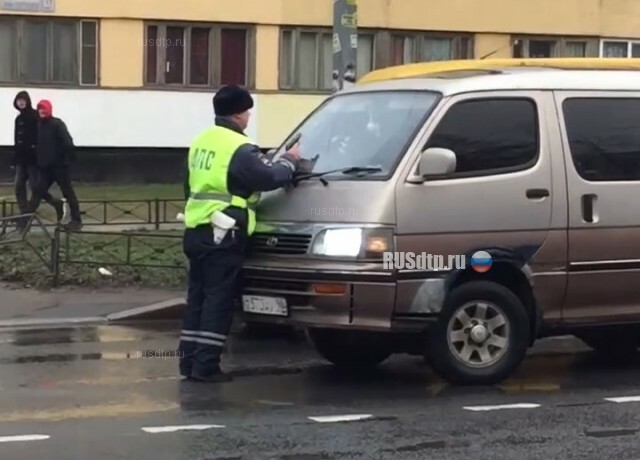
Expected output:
(424, 69)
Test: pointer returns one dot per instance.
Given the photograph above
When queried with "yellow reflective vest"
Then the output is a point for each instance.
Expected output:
(209, 157)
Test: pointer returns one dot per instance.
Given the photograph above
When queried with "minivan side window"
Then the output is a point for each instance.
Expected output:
(490, 136)
(604, 137)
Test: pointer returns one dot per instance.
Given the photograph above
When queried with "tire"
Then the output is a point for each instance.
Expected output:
(453, 361)
(350, 349)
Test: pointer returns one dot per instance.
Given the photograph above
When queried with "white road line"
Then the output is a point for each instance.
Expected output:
(340, 418)
(623, 399)
(24, 437)
(172, 429)
(502, 406)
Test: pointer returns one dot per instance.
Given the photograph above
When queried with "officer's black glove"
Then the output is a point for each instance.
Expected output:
(305, 166)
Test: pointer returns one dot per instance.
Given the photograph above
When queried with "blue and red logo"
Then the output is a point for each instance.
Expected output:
(481, 261)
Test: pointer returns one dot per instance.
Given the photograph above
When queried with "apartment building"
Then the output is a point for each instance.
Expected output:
(141, 73)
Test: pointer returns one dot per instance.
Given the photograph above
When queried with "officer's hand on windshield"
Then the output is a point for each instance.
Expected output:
(295, 151)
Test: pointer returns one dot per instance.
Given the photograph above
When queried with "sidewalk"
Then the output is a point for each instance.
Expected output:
(30, 304)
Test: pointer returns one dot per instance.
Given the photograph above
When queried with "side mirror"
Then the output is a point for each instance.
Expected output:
(435, 163)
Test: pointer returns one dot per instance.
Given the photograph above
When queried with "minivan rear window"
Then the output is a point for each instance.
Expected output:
(604, 137)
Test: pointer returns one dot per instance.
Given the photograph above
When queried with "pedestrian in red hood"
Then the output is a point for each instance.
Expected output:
(55, 153)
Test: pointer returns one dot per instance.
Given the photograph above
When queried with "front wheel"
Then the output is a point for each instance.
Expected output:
(481, 336)
(350, 349)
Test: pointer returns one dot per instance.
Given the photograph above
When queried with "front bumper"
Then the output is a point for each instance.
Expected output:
(367, 302)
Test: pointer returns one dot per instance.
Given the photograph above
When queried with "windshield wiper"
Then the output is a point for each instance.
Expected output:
(362, 170)
(350, 170)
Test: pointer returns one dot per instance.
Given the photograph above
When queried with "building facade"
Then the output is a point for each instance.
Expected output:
(141, 73)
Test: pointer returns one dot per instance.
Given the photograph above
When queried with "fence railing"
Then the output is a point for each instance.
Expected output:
(154, 212)
(121, 249)
(11, 234)
(57, 248)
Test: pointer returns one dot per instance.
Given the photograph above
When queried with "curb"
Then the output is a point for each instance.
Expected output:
(168, 309)
(35, 323)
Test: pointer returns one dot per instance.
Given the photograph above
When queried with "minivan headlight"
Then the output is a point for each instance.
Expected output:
(365, 243)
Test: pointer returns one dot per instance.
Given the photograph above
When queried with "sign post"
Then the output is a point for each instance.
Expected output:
(345, 43)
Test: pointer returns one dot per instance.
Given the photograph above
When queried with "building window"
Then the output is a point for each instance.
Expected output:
(575, 49)
(409, 48)
(45, 51)
(306, 58)
(490, 136)
(604, 148)
(620, 49)
(197, 55)
(548, 47)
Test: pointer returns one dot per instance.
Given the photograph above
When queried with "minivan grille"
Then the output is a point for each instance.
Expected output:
(280, 243)
(279, 285)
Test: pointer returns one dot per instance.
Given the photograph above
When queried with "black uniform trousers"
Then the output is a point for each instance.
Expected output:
(28, 173)
(61, 176)
(214, 283)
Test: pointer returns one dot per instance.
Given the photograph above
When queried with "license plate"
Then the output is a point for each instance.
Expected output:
(265, 305)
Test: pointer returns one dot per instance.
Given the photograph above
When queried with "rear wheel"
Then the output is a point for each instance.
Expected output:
(481, 335)
(350, 349)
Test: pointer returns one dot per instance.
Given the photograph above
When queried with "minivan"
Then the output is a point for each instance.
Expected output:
(535, 162)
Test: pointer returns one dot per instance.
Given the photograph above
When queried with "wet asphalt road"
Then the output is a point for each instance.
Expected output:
(97, 393)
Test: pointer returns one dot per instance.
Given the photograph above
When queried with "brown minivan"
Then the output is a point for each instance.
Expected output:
(535, 162)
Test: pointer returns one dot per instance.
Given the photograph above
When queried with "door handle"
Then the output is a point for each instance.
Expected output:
(589, 214)
(537, 193)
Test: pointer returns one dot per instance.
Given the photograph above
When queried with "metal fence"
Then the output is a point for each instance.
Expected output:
(121, 249)
(126, 213)
(57, 248)
(10, 234)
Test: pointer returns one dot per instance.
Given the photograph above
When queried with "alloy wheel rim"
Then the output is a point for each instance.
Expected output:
(478, 334)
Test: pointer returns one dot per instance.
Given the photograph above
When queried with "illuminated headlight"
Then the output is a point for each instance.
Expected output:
(363, 243)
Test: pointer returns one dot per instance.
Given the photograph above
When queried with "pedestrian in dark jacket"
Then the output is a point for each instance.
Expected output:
(24, 154)
(54, 156)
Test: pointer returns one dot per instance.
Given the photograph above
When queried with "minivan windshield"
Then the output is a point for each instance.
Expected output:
(362, 130)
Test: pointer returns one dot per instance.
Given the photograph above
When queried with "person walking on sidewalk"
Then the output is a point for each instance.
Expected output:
(55, 152)
(24, 158)
(226, 172)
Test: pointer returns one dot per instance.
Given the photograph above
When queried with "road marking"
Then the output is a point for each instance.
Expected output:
(24, 437)
(340, 418)
(502, 406)
(131, 407)
(623, 399)
(172, 429)
(116, 380)
(522, 387)
(274, 403)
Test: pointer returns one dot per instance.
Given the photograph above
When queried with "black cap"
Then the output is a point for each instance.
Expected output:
(231, 100)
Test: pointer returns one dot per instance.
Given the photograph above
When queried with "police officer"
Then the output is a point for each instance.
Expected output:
(226, 173)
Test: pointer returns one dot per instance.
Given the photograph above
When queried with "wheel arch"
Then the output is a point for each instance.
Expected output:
(510, 269)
